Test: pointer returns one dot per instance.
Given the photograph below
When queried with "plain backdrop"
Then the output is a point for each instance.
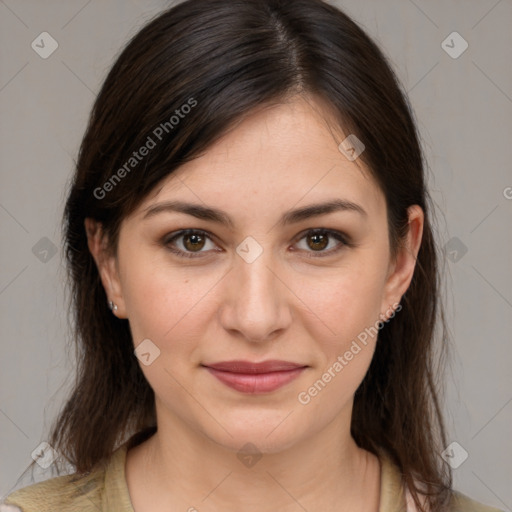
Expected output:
(463, 104)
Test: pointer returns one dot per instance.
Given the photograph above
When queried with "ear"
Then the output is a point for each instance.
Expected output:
(402, 268)
(107, 265)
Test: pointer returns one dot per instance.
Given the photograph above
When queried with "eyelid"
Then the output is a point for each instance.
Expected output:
(343, 239)
(170, 237)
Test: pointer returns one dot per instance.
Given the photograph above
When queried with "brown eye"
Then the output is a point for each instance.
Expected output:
(317, 241)
(189, 243)
(193, 241)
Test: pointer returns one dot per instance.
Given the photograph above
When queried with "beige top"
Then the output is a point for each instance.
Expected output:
(106, 491)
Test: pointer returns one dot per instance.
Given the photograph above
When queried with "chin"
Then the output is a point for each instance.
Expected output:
(255, 433)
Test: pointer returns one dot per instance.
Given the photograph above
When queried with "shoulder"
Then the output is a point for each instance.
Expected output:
(103, 489)
(392, 497)
(458, 503)
(462, 503)
(63, 493)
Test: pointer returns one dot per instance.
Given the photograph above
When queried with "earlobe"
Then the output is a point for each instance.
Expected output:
(107, 267)
(403, 267)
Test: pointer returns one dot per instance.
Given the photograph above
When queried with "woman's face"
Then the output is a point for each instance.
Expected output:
(254, 282)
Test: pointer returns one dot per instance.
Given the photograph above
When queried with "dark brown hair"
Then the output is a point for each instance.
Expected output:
(226, 58)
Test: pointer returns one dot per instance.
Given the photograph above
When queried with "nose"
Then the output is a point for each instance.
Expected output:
(256, 299)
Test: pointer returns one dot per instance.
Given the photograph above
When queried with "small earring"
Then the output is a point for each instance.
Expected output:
(112, 306)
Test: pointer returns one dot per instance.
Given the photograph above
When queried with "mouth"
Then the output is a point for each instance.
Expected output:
(255, 378)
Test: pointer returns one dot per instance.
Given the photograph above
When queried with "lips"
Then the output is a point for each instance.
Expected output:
(240, 366)
(255, 378)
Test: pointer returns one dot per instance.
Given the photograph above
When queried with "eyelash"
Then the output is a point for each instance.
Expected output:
(167, 242)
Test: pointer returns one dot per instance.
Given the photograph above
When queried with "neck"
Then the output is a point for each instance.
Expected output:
(182, 469)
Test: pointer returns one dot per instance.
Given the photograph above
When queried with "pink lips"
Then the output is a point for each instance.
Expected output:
(255, 378)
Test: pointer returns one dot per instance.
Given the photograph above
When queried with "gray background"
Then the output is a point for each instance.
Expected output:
(463, 106)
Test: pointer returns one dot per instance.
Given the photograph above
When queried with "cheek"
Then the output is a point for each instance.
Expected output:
(167, 304)
(170, 307)
(347, 308)
(344, 302)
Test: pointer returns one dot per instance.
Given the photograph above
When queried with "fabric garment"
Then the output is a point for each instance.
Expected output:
(106, 491)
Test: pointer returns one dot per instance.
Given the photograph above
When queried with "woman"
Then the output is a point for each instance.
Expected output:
(250, 203)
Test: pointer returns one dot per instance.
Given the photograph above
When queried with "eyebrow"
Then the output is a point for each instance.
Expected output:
(289, 217)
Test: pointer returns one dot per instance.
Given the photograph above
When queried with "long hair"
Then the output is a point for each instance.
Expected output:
(224, 59)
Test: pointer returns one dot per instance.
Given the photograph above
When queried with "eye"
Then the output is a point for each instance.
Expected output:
(192, 241)
(189, 243)
(316, 240)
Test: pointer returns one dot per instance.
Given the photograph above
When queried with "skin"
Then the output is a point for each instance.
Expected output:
(283, 305)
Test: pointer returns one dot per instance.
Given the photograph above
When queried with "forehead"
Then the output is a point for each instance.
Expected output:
(282, 155)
